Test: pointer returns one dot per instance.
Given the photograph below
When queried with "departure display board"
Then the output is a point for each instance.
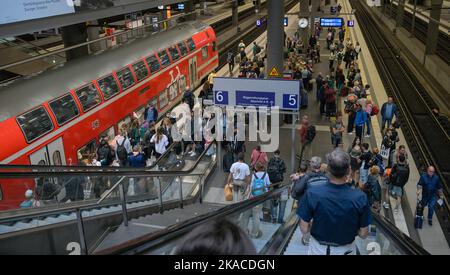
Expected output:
(333, 22)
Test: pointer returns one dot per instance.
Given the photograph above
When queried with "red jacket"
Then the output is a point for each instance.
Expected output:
(303, 131)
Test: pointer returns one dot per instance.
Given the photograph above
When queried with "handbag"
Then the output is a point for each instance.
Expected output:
(228, 190)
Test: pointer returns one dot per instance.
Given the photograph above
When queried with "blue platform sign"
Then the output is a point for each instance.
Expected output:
(180, 7)
(221, 97)
(281, 93)
(350, 23)
(333, 22)
(258, 22)
(285, 22)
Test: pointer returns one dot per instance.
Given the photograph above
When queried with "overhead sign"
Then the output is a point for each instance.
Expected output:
(181, 7)
(258, 22)
(284, 94)
(350, 23)
(274, 72)
(333, 22)
(21, 10)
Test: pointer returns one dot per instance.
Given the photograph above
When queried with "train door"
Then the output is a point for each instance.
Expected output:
(52, 154)
(193, 72)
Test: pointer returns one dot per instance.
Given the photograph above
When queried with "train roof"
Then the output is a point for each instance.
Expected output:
(29, 92)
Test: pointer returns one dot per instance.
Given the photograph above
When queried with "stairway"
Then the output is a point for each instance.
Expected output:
(152, 223)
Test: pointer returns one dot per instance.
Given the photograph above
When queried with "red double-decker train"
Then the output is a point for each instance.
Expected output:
(57, 117)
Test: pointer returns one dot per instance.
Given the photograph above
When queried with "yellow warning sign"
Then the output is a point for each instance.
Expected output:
(274, 72)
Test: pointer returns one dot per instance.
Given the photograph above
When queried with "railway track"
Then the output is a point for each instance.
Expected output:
(427, 135)
(421, 30)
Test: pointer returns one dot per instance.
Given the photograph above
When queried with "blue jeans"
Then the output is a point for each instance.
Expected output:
(430, 203)
(281, 210)
(384, 120)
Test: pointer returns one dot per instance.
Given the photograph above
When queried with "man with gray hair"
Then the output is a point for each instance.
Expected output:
(339, 212)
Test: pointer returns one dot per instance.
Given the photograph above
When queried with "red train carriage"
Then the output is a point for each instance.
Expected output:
(58, 116)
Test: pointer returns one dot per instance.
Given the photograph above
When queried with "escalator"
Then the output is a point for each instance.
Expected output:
(276, 239)
(130, 194)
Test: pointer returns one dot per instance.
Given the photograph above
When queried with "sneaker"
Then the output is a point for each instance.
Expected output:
(386, 205)
(193, 154)
(351, 133)
(430, 222)
(367, 136)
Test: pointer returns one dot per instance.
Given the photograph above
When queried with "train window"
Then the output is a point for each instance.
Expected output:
(174, 53)
(124, 123)
(140, 114)
(140, 70)
(204, 53)
(64, 109)
(126, 78)
(164, 57)
(191, 44)
(35, 124)
(85, 152)
(173, 91)
(88, 97)
(1, 193)
(110, 133)
(57, 158)
(153, 63)
(108, 86)
(183, 48)
(214, 46)
(163, 100)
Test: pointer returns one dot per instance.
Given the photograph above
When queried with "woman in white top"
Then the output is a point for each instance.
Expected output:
(357, 50)
(161, 141)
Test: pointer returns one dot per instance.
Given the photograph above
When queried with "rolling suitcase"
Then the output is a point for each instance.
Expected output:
(418, 220)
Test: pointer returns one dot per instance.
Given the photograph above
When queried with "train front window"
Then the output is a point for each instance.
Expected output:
(1, 193)
(183, 48)
(164, 57)
(191, 44)
(174, 53)
(153, 63)
(140, 70)
(64, 109)
(214, 46)
(108, 86)
(88, 97)
(35, 124)
(126, 78)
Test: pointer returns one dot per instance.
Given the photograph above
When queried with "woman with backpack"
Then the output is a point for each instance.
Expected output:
(259, 185)
(398, 179)
(372, 188)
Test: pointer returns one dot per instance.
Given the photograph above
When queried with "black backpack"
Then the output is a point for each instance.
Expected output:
(311, 133)
(104, 155)
(258, 49)
(122, 153)
(274, 171)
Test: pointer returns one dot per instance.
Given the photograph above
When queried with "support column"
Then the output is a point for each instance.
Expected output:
(400, 13)
(275, 35)
(433, 26)
(93, 32)
(258, 5)
(190, 7)
(304, 13)
(74, 35)
(234, 11)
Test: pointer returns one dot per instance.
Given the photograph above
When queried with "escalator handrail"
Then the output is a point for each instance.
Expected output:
(78, 168)
(150, 240)
(95, 204)
(281, 238)
(97, 171)
(402, 240)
